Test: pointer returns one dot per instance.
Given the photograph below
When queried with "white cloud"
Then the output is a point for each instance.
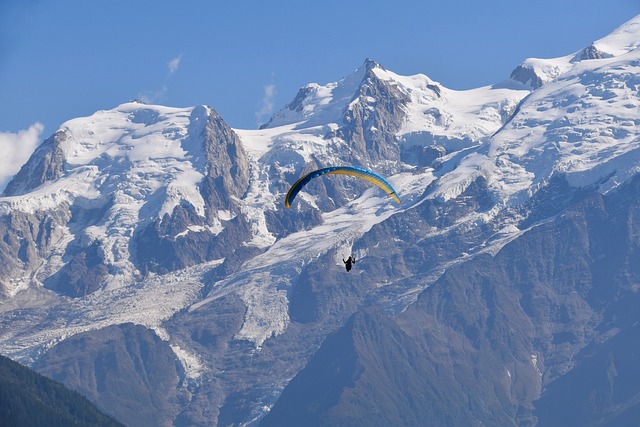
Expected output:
(266, 106)
(152, 96)
(174, 64)
(159, 95)
(16, 149)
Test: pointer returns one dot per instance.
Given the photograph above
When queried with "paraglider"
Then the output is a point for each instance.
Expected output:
(370, 176)
(351, 260)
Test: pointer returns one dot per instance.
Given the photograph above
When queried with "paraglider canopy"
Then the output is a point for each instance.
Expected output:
(370, 176)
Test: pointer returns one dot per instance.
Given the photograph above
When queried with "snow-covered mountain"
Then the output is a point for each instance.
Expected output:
(146, 234)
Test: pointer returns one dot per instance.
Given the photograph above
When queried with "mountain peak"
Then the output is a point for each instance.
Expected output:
(623, 39)
(535, 72)
(315, 103)
(370, 64)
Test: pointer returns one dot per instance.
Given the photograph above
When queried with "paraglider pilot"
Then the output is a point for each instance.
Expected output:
(349, 262)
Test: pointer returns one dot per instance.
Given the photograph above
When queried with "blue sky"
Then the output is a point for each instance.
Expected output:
(60, 59)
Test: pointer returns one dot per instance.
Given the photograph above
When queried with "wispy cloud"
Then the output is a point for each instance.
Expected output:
(158, 95)
(266, 105)
(16, 149)
(174, 64)
(152, 96)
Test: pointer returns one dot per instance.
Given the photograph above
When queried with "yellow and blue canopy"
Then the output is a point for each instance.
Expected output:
(370, 176)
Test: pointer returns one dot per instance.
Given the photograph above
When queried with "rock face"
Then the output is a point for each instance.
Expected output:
(372, 120)
(83, 274)
(592, 52)
(46, 164)
(227, 165)
(27, 239)
(526, 76)
(370, 373)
